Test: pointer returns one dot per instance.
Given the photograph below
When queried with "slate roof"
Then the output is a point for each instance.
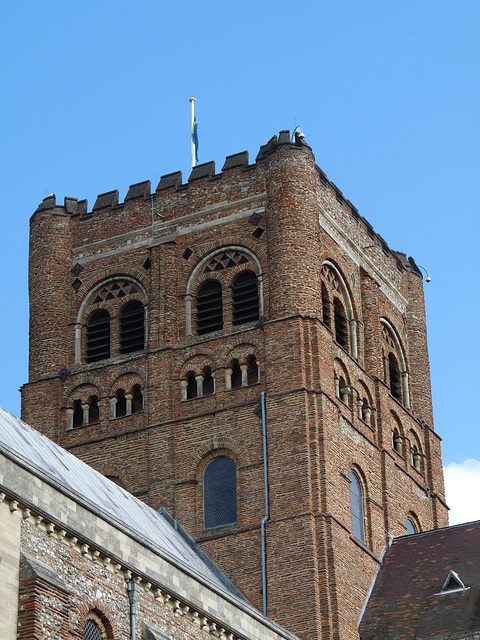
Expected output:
(407, 601)
(58, 467)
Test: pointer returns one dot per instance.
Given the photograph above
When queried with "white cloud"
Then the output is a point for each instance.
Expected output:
(462, 488)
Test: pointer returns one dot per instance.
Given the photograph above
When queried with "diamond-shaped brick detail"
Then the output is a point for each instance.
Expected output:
(64, 373)
(77, 269)
(76, 284)
(255, 218)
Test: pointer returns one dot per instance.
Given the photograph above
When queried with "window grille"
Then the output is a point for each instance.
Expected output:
(132, 329)
(209, 307)
(91, 631)
(220, 493)
(356, 502)
(245, 298)
(341, 331)
(98, 336)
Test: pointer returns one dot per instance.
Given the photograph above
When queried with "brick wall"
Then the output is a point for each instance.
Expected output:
(287, 220)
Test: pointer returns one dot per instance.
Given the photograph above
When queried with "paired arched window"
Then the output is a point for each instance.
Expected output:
(337, 302)
(125, 403)
(357, 507)
(80, 414)
(114, 302)
(396, 376)
(220, 493)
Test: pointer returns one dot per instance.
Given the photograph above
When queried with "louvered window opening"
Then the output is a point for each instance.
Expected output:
(395, 383)
(209, 307)
(341, 332)
(220, 493)
(325, 307)
(245, 298)
(132, 328)
(98, 336)
(91, 631)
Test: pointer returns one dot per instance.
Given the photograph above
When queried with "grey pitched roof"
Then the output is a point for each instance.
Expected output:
(58, 467)
(414, 596)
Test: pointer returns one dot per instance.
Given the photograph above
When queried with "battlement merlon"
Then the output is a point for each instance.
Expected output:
(170, 186)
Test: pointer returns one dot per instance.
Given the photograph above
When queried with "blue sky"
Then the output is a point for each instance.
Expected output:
(95, 97)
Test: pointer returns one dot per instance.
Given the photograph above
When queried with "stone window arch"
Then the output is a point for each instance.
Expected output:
(96, 626)
(220, 492)
(83, 407)
(357, 505)
(395, 367)
(243, 369)
(337, 302)
(112, 316)
(230, 298)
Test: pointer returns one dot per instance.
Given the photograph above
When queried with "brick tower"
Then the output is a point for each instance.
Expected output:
(179, 335)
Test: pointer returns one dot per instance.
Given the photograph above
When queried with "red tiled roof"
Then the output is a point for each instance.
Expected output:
(406, 601)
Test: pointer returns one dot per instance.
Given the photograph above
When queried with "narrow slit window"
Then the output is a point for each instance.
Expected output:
(209, 307)
(132, 327)
(245, 298)
(98, 336)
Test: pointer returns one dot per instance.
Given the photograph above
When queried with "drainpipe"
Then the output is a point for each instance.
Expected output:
(133, 589)
(266, 516)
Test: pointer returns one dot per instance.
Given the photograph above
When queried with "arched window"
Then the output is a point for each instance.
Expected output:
(209, 307)
(208, 382)
(191, 385)
(77, 414)
(252, 370)
(410, 526)
(395, 379)
(397, 442)
(340, 321)
(132, 327)
(93, 413)
(220, 493)
(91, 631)
(356, 503)
(121, 406)
(245, 298)
(137, 399)
(98, 336)
(236, 374)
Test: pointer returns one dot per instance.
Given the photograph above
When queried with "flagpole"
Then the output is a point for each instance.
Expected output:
(192, 120)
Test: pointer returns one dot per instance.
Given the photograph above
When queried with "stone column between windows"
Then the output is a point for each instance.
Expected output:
(69, 418)
(128, 403)
(228, 378)
(244, 370)
(183, 389)
(188, 314)
(86, 413)
(353, 338)
(113, 407)
(199, 381)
